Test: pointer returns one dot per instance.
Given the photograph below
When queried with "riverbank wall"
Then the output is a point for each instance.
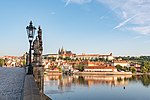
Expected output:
(103, 73)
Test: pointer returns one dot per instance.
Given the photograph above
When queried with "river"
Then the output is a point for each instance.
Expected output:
(97, 87)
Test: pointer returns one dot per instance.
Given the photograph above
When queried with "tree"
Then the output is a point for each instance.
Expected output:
(67, 58)
(145, 80)
(2, 62)
(60, 69)
(144, 70)
(76, 59)
(147, 65)
(60, 57)
(45, 57)
(80, 67)
(119, 67)
(125, 68)
(101, 59)
(133, 69)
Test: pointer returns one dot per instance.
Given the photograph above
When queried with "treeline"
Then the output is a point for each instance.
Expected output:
(2, 61)
(139, 58)
(145, 68)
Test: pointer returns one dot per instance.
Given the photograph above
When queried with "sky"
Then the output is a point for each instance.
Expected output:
(121, 27)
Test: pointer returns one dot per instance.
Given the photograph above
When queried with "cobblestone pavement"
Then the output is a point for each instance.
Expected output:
(11, 83)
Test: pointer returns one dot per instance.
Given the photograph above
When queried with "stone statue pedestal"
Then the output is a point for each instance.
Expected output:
(38, 72)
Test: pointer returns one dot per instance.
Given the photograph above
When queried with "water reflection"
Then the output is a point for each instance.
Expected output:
(75, 87)
(144, 79)
(67, 81)
(39, 79)
(64, 81)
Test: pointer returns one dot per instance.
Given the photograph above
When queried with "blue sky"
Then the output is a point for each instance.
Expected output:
(82, 26)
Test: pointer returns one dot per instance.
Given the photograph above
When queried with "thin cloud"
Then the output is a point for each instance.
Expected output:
(124, 22)
(140, 24)
(123, 10)
(77, 2)
(107, 13)
(124, 15)
(67, 3)
(145, 30)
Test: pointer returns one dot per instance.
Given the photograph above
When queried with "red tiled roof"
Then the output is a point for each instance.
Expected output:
(93, 55)
(100, 67)
(120, 61)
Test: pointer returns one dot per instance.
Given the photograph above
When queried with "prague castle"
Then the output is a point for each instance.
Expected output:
(64, 53)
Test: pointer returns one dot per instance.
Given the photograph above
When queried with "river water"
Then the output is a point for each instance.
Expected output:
(97, 87)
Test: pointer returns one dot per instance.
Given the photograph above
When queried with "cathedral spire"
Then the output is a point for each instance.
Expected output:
(59, 51)
(62, 50)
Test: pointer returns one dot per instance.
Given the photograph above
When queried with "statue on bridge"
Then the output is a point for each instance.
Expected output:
(38, 68)
(38, 49)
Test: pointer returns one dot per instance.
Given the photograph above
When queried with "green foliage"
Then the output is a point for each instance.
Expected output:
(60, 69)
(119, 68)
(60, 57)
(145, 58)
(101, 59)
(145, 80)
(119, 79)
(144, 70)
(139, 59)
(145, 67)
(76, 59)
(82, 80)
(2, 62)
(51, 58)
(45, 57)
(67, 58)
(125, 68)
(80, 67)
(133, 70)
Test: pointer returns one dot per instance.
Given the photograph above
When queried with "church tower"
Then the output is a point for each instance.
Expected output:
(62, 50)
(59, 51)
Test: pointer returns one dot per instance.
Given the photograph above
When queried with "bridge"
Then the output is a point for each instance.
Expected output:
(15, 84)
(25, 83)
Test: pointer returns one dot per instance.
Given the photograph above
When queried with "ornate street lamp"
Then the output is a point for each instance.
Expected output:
(30, 32)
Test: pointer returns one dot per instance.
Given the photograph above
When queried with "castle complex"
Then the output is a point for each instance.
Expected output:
(64, 53)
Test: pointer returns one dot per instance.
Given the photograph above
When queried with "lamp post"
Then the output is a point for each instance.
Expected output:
(30, 32)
